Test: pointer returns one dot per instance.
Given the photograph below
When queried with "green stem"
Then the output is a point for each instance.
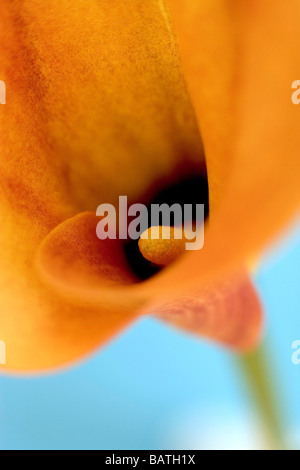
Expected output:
(257, 371)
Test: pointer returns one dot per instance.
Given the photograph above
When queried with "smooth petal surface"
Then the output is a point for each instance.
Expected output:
(97, 107)
(240, 59)
(227, 310)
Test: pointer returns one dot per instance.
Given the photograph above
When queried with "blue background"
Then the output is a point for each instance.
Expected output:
(155, 388)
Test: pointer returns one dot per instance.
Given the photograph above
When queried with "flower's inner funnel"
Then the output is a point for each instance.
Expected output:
(191, 190)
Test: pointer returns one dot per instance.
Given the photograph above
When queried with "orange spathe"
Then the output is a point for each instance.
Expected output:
(101, 102)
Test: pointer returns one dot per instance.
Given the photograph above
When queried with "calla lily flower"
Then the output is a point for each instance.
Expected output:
(109, 98)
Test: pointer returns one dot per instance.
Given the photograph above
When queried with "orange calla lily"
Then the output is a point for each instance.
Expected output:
(110, 98)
